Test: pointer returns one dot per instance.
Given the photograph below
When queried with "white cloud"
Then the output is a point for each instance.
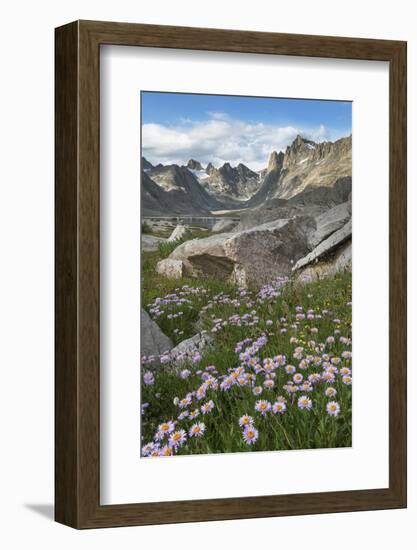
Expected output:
(218, 115)
(222, 139)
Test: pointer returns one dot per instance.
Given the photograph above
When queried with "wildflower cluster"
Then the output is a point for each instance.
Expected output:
(278, 374)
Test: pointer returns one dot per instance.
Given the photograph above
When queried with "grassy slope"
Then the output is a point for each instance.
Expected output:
(296, 428)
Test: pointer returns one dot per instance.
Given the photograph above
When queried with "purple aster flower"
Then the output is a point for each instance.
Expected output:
(183, 403)
(304, 402)
(250, 434)
(148, 378)
(207, 407)
(197, 430)
(328, 376)
(166, 427)
(177, 438)
(290, 369)
(147, 449)
(333, 408)
(166, 451)
(245, 420)
(298, 378)
(164, 359)
(279, 407)
(193, 414)
(262, 406)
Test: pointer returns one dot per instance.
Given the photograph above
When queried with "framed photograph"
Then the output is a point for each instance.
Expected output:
(230, 274)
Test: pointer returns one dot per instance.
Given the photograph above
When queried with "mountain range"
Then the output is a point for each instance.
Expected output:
(192, 189)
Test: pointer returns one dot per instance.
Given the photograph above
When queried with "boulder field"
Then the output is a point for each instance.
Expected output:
(257, 255)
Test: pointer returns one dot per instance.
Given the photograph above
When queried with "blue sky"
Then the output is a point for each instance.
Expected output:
(218, 129)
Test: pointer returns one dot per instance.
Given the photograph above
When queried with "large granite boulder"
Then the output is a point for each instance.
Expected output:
(330, 221)
(153, 340)
(327, 246)
(248, 258)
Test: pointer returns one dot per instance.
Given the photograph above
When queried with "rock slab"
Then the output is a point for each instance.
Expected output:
(189, 347)
(150, 243)
(327, 246)
(180, 232)
(224, 226)
(173, 269)
(330, 221)
(153, 340)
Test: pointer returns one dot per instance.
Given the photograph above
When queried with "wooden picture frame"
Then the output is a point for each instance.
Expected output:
(77, 382)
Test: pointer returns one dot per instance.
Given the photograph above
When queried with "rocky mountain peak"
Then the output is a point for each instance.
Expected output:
(298, 141)
(245, 172)
(305, 163)
(275, 161)
(146, 165)
(194, 165)
(300, 144)
(236, 183)
(210, 168)
(299, 151)
(226, 169)
(343, 145)
(269, 179)
(178, 188)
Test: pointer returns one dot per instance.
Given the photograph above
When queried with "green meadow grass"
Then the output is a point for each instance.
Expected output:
(295, 429)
